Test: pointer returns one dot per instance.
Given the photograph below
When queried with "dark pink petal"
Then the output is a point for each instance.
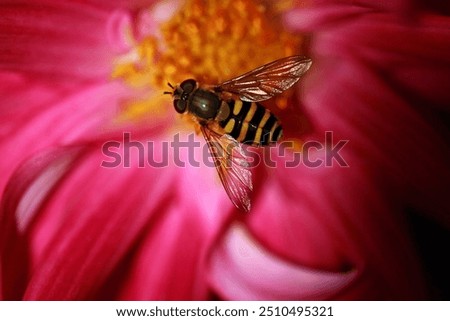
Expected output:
(61, 40)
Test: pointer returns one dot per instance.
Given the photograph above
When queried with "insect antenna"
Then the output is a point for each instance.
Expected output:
(169, 92)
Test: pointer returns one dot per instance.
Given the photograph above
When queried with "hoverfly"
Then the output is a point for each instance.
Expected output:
(229, 115)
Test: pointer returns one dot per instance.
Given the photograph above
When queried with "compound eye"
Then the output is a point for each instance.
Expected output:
(188, 85)
(180, 105)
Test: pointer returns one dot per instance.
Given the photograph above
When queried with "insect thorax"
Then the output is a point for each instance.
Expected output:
(204, 104)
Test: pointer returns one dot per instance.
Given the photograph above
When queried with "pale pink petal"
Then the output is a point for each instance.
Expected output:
(149, 19)
(241, 269)
(56, 164)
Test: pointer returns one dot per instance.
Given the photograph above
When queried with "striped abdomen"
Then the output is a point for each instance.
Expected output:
(251, 123)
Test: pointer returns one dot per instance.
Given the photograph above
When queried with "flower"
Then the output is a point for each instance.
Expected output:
(79, 75)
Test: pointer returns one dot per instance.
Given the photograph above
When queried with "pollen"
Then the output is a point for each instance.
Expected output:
(210, 41)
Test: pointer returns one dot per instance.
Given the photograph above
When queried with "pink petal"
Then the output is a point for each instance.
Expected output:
(61, 236)
(241, 269)
(61, 40)
(110, 233)
(326, 219)
(147, 22)
(17, 213)
(339, 219)
(70, 258)
(82, 117)
(126, 4)
(378, 83)
(169, 263)
(395, 77)
(311, 19)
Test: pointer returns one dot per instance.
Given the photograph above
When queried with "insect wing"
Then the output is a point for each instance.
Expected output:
(268, 80)
(232, 166)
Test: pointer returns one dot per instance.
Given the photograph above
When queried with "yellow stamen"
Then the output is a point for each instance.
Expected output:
(210, 41)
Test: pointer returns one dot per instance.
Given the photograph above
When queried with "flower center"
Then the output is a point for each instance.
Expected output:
(210, 41)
